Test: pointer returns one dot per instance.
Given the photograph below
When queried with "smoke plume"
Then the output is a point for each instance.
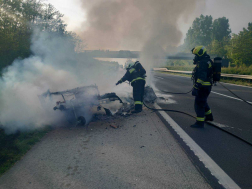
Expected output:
(54, 65)
(146, 25)
(119, 24)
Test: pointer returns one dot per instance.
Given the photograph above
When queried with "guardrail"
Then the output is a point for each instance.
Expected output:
(234, 76)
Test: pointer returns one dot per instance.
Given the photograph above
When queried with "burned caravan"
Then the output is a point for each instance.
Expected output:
(77, 103)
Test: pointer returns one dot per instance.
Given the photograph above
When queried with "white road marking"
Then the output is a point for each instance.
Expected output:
(229, 96)
(177, 76)
(226, 95)
(220, 82)
(216, 171)
(221, 125)
(236, 85)
(158, 77)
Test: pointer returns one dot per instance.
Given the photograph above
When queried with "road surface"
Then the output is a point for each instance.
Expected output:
(233, 115)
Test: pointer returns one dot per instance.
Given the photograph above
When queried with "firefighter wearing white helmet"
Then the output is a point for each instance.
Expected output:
(202, 79)
(128, 64)
(136, 76)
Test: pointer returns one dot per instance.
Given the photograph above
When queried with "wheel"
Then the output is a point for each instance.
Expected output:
(108, 112)
(81, 121)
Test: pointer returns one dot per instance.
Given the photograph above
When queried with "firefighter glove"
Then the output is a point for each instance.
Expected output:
(118, 82)
(197, 85)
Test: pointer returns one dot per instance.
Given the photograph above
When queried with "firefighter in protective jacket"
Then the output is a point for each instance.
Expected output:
(136, 76)
(202, 79)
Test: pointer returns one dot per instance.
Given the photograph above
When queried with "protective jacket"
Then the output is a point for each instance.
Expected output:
(203, 72)
(134, 73)
(202, 78)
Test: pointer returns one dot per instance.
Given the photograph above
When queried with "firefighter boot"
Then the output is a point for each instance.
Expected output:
(209, 117)
(198, 124)
(135, 111)
(138, 108)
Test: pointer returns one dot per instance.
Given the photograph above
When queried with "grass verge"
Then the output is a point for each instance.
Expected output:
(238, 70)
(181, 68)
(14, 146)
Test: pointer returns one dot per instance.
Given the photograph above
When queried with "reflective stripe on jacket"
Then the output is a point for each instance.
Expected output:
(204, 71)
(136, 72)
(137, 79)
(139, 102)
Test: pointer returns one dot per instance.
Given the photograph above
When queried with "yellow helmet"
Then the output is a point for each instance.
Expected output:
(199, 50)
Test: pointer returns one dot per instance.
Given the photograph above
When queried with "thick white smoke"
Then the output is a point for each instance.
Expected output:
(149, 26)
(145, 25)
(54, 65)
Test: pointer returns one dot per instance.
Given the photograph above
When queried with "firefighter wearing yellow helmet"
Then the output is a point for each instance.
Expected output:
(202, 79)
(136, 76)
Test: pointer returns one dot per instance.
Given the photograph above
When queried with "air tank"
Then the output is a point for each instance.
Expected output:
(217, 68)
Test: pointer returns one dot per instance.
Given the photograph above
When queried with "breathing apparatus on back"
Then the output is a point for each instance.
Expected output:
(200, 53)
(217, 69)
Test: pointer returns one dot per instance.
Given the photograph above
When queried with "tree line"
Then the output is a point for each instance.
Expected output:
(18, 19)
(216, 35)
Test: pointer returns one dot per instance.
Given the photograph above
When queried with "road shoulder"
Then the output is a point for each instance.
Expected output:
(141, 153)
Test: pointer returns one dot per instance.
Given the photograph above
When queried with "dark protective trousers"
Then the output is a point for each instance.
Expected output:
(138, 93)
(200, 104)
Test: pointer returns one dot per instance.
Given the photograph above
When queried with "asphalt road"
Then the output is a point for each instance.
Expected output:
(233, 115)
(140, 154)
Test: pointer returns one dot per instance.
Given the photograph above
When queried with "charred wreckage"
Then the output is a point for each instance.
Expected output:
(79, 103)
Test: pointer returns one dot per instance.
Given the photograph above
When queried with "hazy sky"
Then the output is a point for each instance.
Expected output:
(73, 13)
(237, 11)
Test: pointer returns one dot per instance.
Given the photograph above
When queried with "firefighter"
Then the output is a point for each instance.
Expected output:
(136, 76)
(202, 79)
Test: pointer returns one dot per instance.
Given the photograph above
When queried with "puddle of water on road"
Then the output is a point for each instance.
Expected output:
(164, 98)
(222, 125)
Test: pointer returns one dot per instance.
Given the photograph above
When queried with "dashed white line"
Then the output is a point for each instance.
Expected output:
(222, 177)
(220, 82)
(229, 96)
(216, 92)
(158, 77)
(236, 85)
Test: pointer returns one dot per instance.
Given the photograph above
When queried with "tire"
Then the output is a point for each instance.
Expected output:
(81, 120)
(108, 112)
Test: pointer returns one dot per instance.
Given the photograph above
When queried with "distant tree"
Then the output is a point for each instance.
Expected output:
(218, 48)
(217, 38)
(31, 10)
(13, 32)
(241, 47)
(203, 28)
(220, 37)
(189, 41)
(215, 35)
(221, 29)
(51, 20)
(18, 18)
(200, 33)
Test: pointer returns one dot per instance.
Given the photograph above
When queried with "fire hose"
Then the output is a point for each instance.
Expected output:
(221, 85)
(210, 123)
(235, 94)
(176, 93)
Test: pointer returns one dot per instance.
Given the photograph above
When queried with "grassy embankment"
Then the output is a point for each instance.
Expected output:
(14, 146)
(231, 70)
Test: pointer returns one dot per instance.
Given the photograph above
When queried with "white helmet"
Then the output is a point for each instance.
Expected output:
(128, 64)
